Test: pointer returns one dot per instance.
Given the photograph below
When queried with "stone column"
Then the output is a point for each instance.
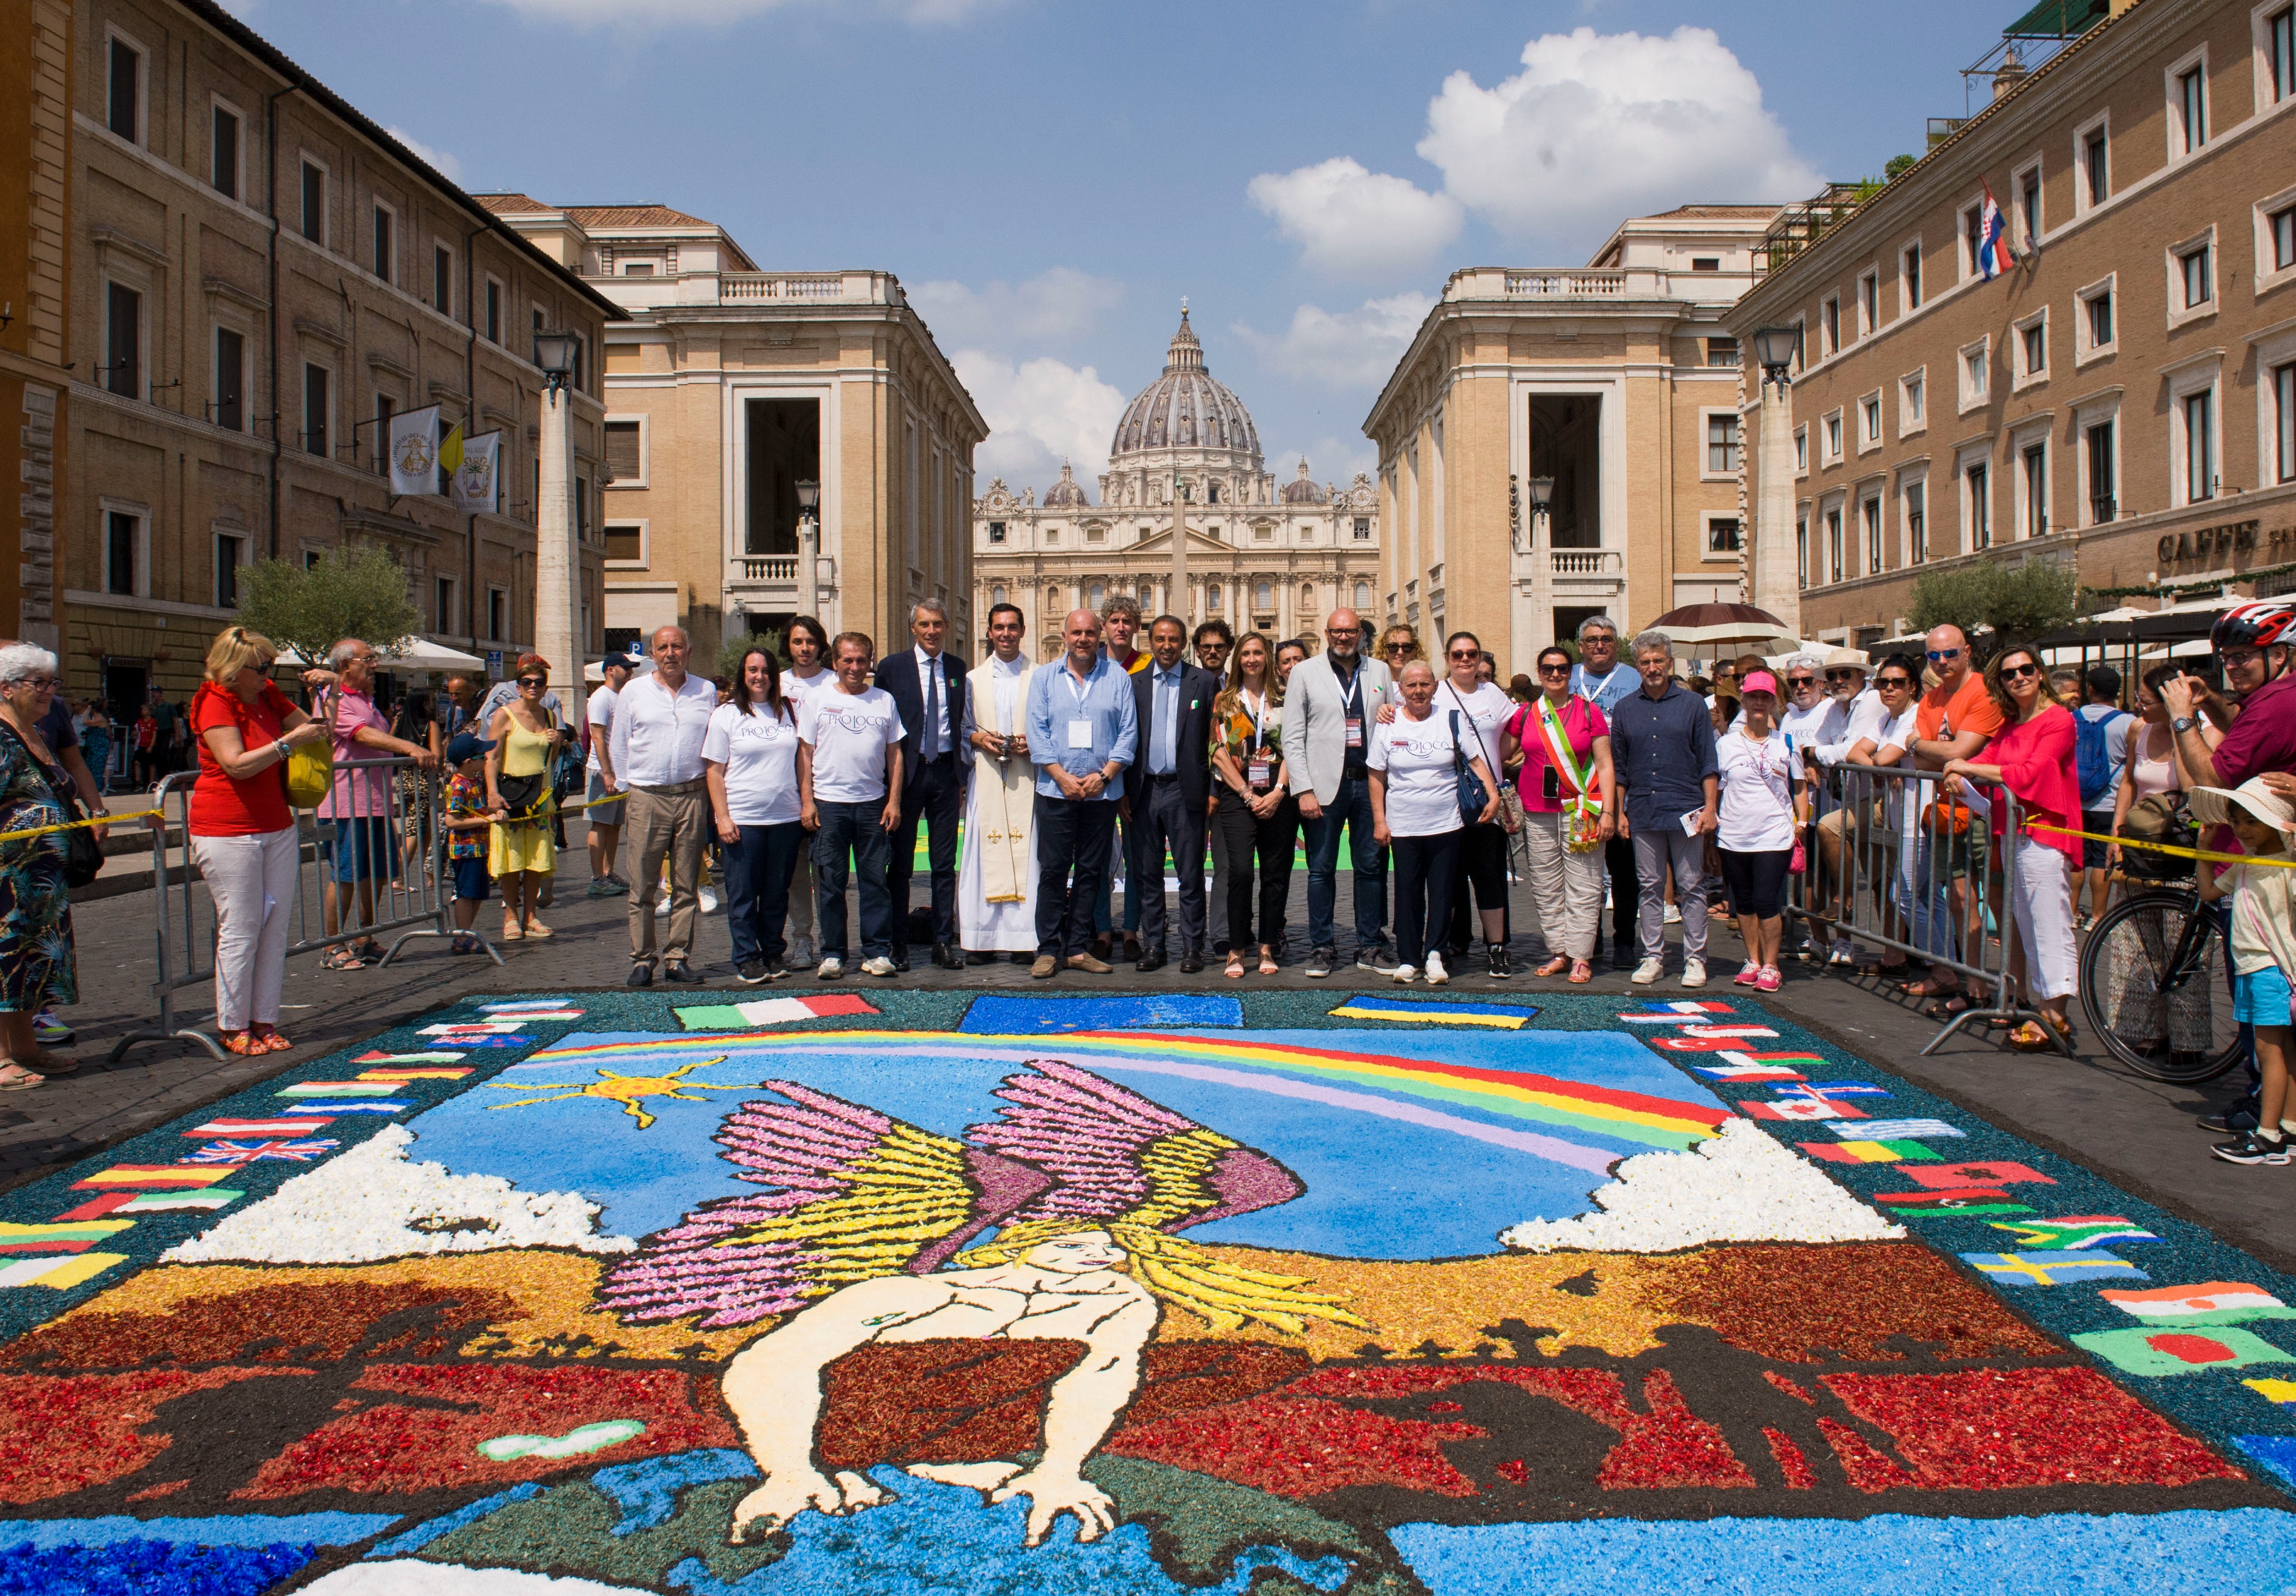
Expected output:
(1776, 583)
(557, 558)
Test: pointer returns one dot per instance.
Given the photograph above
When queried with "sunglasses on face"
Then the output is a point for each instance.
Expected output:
(1553, 670)
(1894, 684)
(2018, 673)
(1843, 676)
(1939, 655)
(1465, 654)
(1801, 681)
(529, 681)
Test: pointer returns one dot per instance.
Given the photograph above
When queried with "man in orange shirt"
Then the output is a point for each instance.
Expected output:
(1956, 719)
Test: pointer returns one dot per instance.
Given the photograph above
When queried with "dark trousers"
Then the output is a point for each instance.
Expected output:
(1350, 806)
(854, 831)
(1483, 866)
(1161, 818)
(935, 798)
(1424, 870)
(758, 870)
(1243, 831)
(1626, 896)
(1073, 836)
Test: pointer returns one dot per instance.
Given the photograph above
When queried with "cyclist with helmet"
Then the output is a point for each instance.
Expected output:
(2252, 643)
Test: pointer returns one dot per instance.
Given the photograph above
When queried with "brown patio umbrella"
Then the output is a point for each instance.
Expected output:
(1720, 623)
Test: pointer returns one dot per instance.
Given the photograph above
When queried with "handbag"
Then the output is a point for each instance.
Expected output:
(310, 768)
(83, 853)
(522, 796)
(1474, 797)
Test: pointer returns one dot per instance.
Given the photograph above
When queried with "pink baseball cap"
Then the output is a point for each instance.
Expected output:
(1759, 680)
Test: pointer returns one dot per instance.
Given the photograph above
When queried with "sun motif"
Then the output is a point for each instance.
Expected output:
(630, 1090)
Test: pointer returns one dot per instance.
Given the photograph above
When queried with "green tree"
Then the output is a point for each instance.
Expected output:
(1899, 165)
(348, 593)
(2025, 601)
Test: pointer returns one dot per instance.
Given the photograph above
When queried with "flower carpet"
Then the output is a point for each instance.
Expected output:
(878, 1291)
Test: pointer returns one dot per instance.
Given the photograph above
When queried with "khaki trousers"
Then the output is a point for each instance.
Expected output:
(1567, 888)
(668, 823)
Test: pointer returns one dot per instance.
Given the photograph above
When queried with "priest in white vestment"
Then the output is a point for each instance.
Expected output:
(996, 882)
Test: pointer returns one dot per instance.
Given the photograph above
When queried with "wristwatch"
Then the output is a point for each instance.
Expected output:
(2184, 724)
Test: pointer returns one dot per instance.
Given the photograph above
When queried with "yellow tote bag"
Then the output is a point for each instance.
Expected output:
(310, 774)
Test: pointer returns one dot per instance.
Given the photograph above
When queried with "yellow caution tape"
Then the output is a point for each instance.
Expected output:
(73, 825)
(2162, 847)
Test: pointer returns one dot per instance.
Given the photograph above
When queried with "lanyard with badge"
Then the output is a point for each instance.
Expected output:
(1079, 726)
(1259, 766)
(1352, 703)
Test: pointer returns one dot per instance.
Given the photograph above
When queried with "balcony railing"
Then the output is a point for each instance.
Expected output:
(1586, 284)
(763, 568)
(1585, 562)
(774, 285)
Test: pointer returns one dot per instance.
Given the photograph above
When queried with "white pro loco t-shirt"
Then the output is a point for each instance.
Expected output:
(1422, 785)
(848, 733)
(759, 753)
(1756, 812)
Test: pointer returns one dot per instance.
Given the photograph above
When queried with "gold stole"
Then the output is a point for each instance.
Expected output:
(1006, 790)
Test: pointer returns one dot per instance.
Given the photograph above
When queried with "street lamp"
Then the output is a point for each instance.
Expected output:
(808, 543)
(555, 353)
(1775, 350)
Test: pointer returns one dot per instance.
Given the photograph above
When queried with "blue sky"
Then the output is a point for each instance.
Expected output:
(1048, 178)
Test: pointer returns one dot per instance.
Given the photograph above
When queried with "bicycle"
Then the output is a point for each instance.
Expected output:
(2153, 984)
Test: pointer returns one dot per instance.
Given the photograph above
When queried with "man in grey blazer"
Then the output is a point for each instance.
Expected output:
(1331, 704)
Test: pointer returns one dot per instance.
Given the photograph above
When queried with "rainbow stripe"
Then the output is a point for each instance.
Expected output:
(1517, 1094)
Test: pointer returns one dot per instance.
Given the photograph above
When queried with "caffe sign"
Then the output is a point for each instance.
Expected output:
(2212, 543)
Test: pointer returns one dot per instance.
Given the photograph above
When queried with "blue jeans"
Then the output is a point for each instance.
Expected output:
(1350, 806)
(853, 829)
(758, 870)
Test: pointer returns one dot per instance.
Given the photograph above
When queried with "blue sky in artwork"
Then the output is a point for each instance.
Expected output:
(1375, 1187)
(1048, 178)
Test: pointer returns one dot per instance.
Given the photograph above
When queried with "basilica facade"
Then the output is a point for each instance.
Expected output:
(1186, 462)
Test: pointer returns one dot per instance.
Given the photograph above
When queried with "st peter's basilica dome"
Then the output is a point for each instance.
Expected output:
(1185, 409)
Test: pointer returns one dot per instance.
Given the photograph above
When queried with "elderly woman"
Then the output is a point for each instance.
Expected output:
(244, 831)
(1415, 806)
(36, 965)
(521, 852)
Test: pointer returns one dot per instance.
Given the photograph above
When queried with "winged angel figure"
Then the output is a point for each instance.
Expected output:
(1086, 1185)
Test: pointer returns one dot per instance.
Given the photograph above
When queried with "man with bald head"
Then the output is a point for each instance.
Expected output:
(1331, 703)
(659, 720)
(1083, 733)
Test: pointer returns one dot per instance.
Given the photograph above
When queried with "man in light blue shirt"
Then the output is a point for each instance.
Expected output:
(1606, 680)
(1083, 728)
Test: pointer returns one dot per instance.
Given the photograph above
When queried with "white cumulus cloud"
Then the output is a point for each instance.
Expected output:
(1356, 223)
(1061, 303)
(441, 161)
(1039, 412)
(1597, 127)
(1353, 348)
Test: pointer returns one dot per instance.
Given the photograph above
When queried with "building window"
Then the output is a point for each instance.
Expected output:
(442, 279)
(2284, 405)
(1212, 596)
(123, 538)
(1097, 594)
(2028, 206)
(2280, 52)
(442, 604)
(1722, 352)
(1917, 540)
(2192, 109)
(1263, 597)
(2195, 282)
(315, 202)
(1869, 304)
(2103, 477)
(1870, 513)
(123, 339)
(1723, 535)
(625, 543)
(2097, 311)
(1912, 395)
(2199, 445)
(1976, 365)
(2096, 165)
(2035, 460)
(494, 311)
(1829, 323)
(228, 551)
(383, 410)
(1909, 273)
(2033, 342)
(1871, 409)
(996, 531)
(1833, 436)
(124, 108)
(2281, 226)
(1706, 263)
(315, 409)
(1973, 240)
(1801, 551)
(223, 148)
(1052, 535)
(230, 378)
(1722, 443)
(1833, 544)
(1363, 530)
(497, 614)
(626, 454)
(1978, 481)
(1362, 595)
(1802, 449)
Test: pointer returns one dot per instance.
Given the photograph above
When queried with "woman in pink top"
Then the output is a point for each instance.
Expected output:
(1565, 777)
(2033, 756)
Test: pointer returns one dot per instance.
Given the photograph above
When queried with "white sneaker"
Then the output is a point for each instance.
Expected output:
(1404, 974)
(1674, 914)
(708, 900)
(832, 969)
(1647, 972)
(1435, 974)
(662, 906)
(1693, 972)
(879, 967)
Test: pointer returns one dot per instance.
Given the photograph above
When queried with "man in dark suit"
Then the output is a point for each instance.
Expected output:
(927, 684)
(1173, 770)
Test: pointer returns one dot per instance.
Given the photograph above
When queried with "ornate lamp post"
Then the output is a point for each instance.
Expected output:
(557, 549)
(1776, 583)
(809, 546)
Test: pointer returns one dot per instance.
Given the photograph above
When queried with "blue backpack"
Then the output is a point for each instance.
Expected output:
(2092, 760)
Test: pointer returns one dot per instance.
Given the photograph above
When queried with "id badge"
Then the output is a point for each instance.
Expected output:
(1080, 734)
(1257, 773)
(1355, 731)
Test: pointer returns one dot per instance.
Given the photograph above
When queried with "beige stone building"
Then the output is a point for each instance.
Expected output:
(727, 388)
(1261, 556)
(36, 101)
(260, 276)
(1616, 381)
(2120, 399)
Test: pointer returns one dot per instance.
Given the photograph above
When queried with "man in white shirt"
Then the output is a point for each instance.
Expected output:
(605, 812)
(1861, 717)
(848, 780)
(655, 755)
(1602, 679)
(996, 882)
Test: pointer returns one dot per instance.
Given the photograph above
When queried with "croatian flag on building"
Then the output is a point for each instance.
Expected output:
(1993, 255)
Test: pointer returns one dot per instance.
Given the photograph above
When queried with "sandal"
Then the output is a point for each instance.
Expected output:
(1267, 965)
(1928, 987)
(1954, 1002)
(536, 930)
(1554, 967)
(342, 958)
(245, 1044)
(464, 944)
(511, 932)
(2030, 1038)
(272, 1042)
(15, 1077)
(1581, 973)
(1236, 967)
(51, 1063)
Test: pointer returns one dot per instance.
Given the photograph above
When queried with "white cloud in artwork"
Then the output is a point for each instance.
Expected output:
(441, 161)
(1039, 412)
(1355, 223)
(1741, 1185)
(1063, 303)
(372, 1202)
(1351, 348)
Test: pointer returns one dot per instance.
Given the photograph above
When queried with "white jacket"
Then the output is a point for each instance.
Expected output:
(1315, 722)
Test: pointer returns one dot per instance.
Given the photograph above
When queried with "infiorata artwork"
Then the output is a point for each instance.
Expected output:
(1289, 1292)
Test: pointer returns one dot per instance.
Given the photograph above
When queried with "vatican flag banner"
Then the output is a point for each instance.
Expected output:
(414, 451)
(472, 487)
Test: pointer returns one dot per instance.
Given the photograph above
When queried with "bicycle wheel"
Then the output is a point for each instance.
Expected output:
(2152, 984)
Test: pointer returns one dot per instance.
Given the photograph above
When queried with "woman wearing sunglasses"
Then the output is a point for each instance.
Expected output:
(2033, 756)
(1565, 783)
(521, 854)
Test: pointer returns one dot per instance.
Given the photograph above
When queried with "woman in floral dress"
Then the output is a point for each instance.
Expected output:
(37, 967)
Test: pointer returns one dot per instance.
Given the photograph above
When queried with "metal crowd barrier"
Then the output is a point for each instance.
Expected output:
(1885, 867)
(412, 889)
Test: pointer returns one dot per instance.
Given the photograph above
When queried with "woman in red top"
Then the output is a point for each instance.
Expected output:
(2033, 756)
(243, 832)
(1564, 780)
